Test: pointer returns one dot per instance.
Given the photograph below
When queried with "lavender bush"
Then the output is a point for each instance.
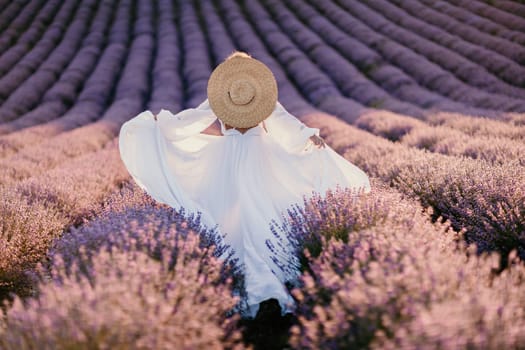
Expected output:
(379, 280)
(487, 200)
(493, 146)
(130, 95)
(167, 85)
(20, 17)
(480, 31)
(322, 217)
(513, 129)
(424, 71)
(10, 12)
(369, 62)
(130, 217)
(27, 40)
(29, 93)
(63, 93)
(425, 96)
(470, 72)
(168, 269)
(496, 150)
(348, 78)
(388, 125)
(39, 209)
(34, 58)
(511, 7)
(128, 300)
(506, 19)
(195, 51)
(494, 62)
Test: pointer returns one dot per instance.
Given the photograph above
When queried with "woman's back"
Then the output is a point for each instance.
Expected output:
(241, 160)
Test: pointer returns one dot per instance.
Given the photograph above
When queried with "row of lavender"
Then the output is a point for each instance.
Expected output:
(128, 90)
(369, 94)
(49, 93)
(487, 205)
(374, 313)
(192, 266)
(427, 73)
(376, 278)
(509, 20)
(506, 153)
(66, 183)
(83, 90)
(59, 180)
(15, 141)
(21, 15)
(77, 169)
(25, 66)
(16, 45)
(483, 79)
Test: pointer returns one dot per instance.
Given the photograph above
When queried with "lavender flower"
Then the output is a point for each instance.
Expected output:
(386, 285)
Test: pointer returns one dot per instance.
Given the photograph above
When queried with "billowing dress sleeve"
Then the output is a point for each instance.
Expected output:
(186, 123)
(287, 130)
(156, 151)
(320, 168)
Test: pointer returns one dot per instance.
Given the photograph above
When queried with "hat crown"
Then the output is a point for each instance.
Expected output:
(241, 92)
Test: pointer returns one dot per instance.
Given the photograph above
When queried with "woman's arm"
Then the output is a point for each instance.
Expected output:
(318, 141)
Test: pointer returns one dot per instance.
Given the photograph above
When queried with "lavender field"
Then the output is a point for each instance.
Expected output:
(426, 96)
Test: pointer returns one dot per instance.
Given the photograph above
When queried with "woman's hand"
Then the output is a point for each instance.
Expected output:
(318, 141)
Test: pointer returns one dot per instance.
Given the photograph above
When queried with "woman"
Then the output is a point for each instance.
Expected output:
(262, 162)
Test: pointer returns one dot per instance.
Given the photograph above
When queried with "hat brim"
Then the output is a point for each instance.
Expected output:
(258, 75)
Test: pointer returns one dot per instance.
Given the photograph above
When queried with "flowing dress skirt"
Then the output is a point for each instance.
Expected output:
(239, 183)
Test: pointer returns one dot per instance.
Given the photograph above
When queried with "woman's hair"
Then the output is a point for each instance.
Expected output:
(238, 54)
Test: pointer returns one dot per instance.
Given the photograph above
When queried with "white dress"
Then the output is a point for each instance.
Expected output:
(238, 182)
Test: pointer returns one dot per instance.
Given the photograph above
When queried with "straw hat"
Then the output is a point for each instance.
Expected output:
(242, 91)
